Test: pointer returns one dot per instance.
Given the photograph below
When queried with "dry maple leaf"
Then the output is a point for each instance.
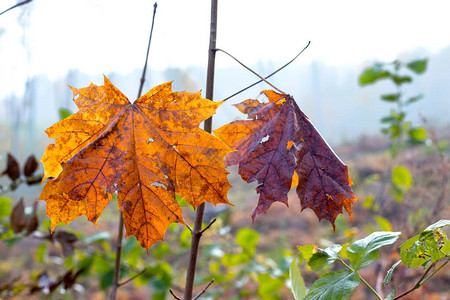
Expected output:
(279, 147)
(146, 151)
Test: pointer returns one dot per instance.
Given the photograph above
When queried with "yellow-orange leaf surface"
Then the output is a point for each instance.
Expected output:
(280, 148)
(147, 151)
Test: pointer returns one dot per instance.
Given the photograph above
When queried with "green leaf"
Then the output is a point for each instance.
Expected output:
(41, 250)
(418, 134)
(388, 277)
(231, 260)
(411, 252)
(268, 285)
(106, 279)
(402, 177)
(391, 294)
(298, 287)
(363, 252)
(98, 237)
(5, 207)
(384, 224)
(418, 66)
(390, 97)
(387, 119)
(185, 238)
(307, 251)
(428, 245)
(414, 99)
(399, 80)
(324, 257)
(334, 286)
(438, 224)
(371, 75)
(247, 238)
(64, 113)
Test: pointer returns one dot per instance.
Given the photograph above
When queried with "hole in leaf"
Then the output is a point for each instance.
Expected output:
(150, 140)
(158, 184)
(264, 139)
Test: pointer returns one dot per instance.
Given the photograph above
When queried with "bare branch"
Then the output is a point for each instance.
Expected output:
(270, 75)
(242, 64)
(204, 290)
(17, 5)
(209, 225)
(173, 294)
(133, 277)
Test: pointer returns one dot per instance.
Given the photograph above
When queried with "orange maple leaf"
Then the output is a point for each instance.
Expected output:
(280, 148)
(147, 151)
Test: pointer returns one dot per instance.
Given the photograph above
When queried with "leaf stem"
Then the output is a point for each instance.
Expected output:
(116, 277)
(270, 75)
(242, 64)
(362, 279)
(197, 232)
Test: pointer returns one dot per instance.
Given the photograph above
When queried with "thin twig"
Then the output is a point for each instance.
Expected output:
(116, 277)
(204, 290)
(268, 76)
(17, 5)
(196, 233)
(242, 64)
(173, 294)
(133, 277)
(209, 225)
(148, 50)
(422, 278)
(189, 227)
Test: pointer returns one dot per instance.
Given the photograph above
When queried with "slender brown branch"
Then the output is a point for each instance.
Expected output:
(209, 225)
(16, 5)
(242, 64)
(270, 75)
(173, 294)
(204, 290)
(148, 50)
(196, 233)
(116, 277)
(133, 277)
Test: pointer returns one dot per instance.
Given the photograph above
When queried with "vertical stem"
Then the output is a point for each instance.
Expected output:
(196, 233)
(116, 277)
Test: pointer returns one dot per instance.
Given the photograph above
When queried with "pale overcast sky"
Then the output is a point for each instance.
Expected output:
(102, 36)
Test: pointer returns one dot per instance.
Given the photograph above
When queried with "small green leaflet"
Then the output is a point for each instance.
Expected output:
(334, 286)
(298, 287)
(432, 244)
(388, 277)
(324, 257)
(363, 252)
